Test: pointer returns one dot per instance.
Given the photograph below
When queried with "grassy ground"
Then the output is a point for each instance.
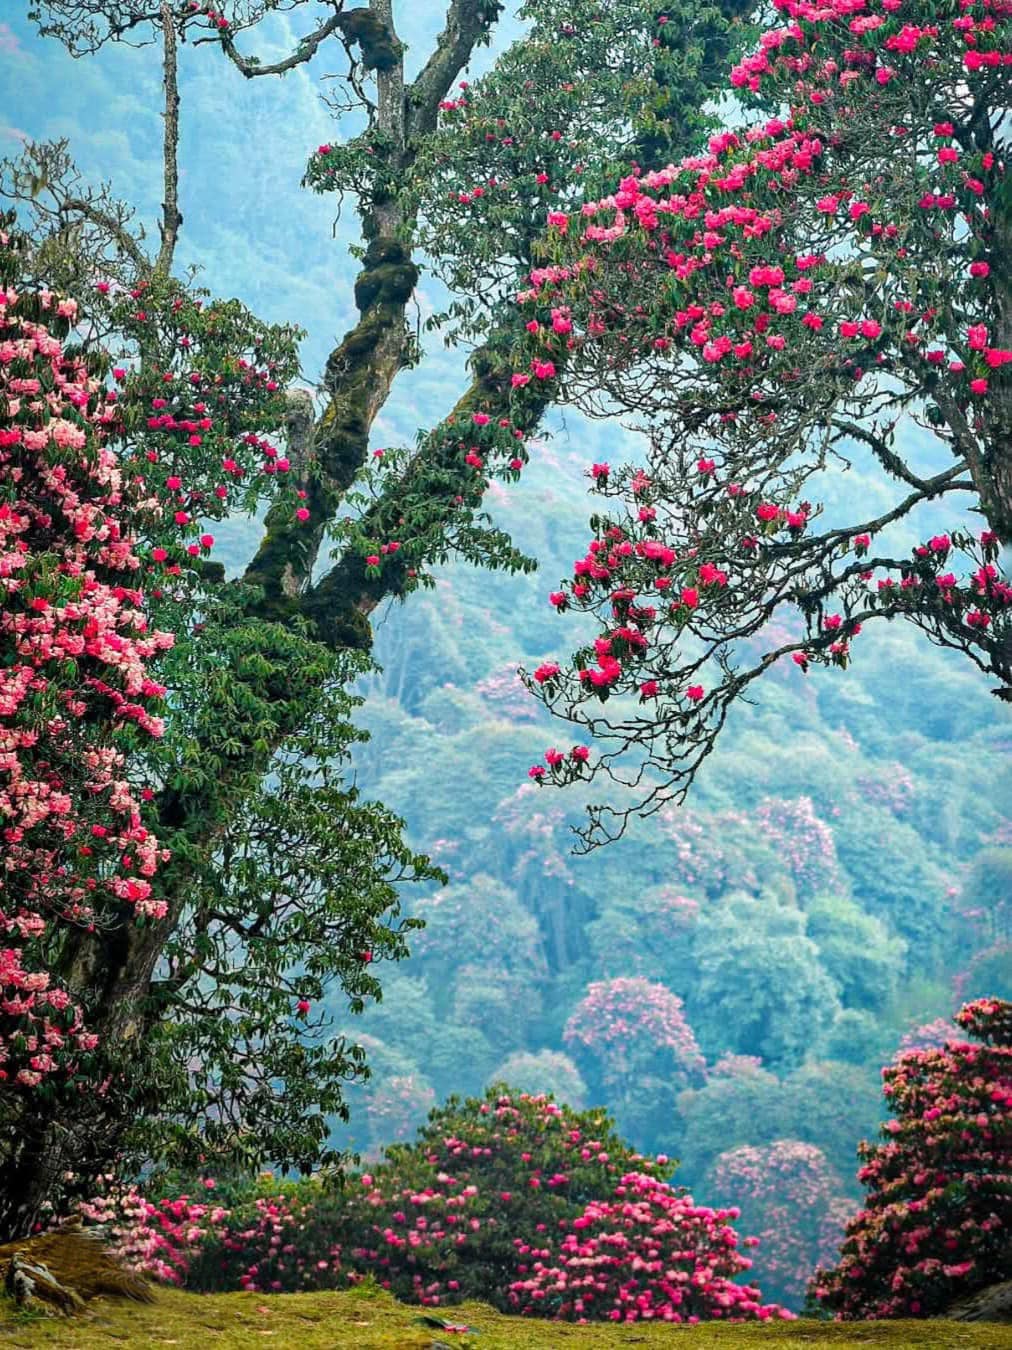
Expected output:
(367, 1319)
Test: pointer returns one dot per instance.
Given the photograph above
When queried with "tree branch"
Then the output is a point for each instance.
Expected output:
(121, 237)
(171, 217)
(887, 457)
(306, 50)
(468, 22)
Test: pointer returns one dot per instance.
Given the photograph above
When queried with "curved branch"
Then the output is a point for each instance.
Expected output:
(468, 22)
(121, 237)
(306, 50)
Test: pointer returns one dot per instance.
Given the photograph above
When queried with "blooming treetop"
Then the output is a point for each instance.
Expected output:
(624, 1023)
(825, 276)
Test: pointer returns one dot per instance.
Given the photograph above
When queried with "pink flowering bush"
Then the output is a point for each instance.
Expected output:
(159, 1238)
(76, 684)
(938, 1208)
(287, 1240)
(801, 841)
(485, 1204)
(462, 1210)
(647, 1252)
(794, 1201)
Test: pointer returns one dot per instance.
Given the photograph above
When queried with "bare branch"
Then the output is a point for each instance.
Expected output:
(883, 452)
(171, 218)
(305, 51)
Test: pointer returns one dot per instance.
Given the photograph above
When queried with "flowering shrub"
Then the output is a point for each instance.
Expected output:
(802, 841)
(939, 1206)
(285, 1241)
(646, 1253)
(160, 1238)
(503, 1198)
(794, 1201)
(444, 1218)
(463, 1212)
(76, 689)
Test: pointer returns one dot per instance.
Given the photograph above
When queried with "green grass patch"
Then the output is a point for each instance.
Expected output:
(366, 1318)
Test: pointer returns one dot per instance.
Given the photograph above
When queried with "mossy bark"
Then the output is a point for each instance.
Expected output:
(342, 601)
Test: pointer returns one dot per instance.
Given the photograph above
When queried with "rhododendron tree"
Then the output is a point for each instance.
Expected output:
(635, 1047)
(77, 687)
(246, 787)
(794, 1202)
(627, 1024)
(826, 285)
(449, 1215)
(443, 1218)
(148, 985)
(936, 1215)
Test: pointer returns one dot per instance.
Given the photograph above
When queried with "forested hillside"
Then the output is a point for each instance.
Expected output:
(731, 973)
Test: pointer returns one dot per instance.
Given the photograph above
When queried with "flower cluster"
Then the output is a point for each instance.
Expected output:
(625, 1021)
(159, 1238)
(287, 1241)
(803, 842)
(76, 647)
(646, 1253)
(936, 1218)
